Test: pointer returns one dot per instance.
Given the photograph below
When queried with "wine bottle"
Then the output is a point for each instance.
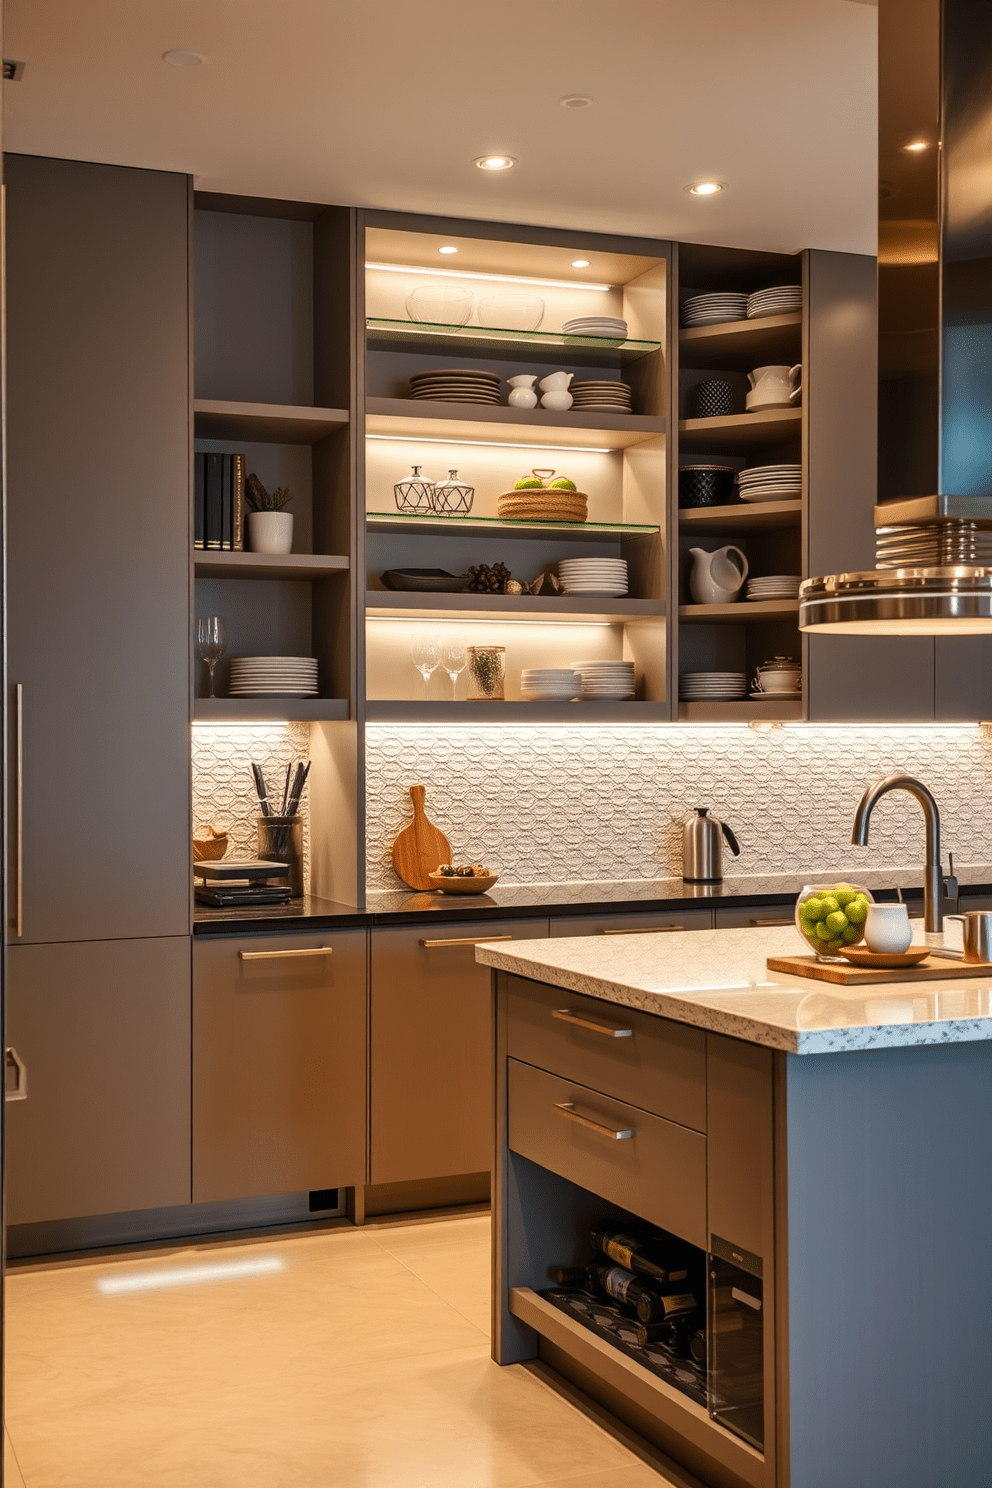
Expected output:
(649, 1255)
(651, 1303)
(571, 1276)
(673, 1334)
(697, 1347)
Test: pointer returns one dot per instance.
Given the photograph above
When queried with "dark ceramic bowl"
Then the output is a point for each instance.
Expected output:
(714, 399)
(707, 485)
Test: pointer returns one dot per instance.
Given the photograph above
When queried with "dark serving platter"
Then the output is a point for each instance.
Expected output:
(426, 580)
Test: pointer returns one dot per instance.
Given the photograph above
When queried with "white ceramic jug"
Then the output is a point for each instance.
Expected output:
(773, 387)
(523, 394)
(556, 382)
(717, 578)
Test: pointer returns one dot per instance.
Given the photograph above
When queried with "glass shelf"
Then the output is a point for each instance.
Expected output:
(406, 522)
(583, 351)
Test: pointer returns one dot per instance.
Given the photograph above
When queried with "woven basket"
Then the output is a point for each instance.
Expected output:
(544, 506)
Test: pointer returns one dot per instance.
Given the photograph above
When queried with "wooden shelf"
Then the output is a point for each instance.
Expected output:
(481, 423)
(214, 565)
(775, 710)
(744, 612)
(515, 712)
(739, 345)
(269, 710)
(740, 431)
(265, 423)
(395, 522)
(744, 516)
(505, 345)
(385, 602)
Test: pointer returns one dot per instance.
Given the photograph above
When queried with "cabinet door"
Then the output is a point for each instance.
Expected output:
(98, 546)
(103, 1028)
(432, 1059)
(664, 921)
(279, 1046)
(744, 915)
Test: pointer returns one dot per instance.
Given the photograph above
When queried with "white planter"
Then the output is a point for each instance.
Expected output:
(270, 532)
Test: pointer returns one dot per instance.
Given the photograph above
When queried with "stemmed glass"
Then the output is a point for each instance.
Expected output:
(426, 658)
(211, 643)
(453, 659)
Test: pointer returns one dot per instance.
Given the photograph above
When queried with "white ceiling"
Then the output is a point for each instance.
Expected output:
(386, 102)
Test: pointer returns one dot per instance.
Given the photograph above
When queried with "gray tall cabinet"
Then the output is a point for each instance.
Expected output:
(98, 431)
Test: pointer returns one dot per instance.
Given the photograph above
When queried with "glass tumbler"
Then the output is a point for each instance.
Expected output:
(280, 840)
(486, 672)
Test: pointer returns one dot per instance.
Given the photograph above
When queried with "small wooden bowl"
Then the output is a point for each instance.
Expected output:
(858, 956)
(462, 885)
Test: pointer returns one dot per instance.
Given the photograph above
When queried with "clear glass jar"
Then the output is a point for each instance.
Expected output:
(486, 673)
(416, 494)
(835, 917)
(453, 496)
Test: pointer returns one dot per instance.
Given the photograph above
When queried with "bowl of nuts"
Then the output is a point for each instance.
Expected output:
(472, 878)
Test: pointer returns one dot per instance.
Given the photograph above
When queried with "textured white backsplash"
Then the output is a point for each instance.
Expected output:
(550, 805)
(223, 788)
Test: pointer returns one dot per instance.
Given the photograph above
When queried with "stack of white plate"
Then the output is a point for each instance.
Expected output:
(550, 684)
(775, 586)
(456, 385)
(712, 686)
(777, 301)
(711, 309)
(273, 676)
(606, 681)
(607, 576)
(610, 326)
(615, 396)
(771, 483)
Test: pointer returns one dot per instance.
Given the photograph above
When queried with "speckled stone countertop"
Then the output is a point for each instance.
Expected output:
(718, 979)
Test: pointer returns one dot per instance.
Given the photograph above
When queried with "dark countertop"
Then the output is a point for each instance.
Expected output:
(536, 901)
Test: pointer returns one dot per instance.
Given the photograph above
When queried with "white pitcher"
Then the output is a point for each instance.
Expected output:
(717, 578)
(523, 394)
(773, 387)
(556, 382)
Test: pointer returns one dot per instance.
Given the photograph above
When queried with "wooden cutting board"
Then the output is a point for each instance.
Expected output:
(936, 969)
(420, 849)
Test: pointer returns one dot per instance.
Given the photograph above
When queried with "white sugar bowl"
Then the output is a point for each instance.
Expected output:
(887, 929)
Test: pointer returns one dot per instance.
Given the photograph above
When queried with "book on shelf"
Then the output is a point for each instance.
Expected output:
(218, 502)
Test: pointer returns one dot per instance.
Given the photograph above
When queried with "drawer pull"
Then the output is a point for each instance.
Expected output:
(12, 1060)
(616, 1134)
(432, 945)
(648, 930)
(279, 955)
(766, 923)
(609, 1029)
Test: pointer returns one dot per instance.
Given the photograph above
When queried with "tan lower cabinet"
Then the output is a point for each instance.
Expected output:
(102, 1030)
(663, 921)
(279, 1064)
(432, 1048)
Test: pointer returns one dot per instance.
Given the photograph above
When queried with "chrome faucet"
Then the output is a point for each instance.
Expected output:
(933, 882)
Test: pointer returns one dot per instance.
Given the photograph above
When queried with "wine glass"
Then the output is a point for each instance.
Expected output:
(453, 659)
(426, 658)
(211, 642)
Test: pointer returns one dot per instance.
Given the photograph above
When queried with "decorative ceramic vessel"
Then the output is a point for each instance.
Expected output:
(557, 402)
(486, 673)
(270, 531)
(832, 916)
(887, 929)
(522, 394)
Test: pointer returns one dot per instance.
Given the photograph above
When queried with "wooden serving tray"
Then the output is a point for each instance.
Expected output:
(935, 969)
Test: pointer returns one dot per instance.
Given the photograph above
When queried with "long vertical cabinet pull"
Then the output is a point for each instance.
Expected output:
(19, 810)
(12, 1060)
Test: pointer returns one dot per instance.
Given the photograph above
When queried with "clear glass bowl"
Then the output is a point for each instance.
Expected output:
(835, 917)
(437, 304)
(511, 312)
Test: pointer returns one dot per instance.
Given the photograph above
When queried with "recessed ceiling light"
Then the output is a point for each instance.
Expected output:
(705, 188)
(183, 59)
(448, 248)
(916, 145)
(576, 100)
(580, 263)
(494, 162)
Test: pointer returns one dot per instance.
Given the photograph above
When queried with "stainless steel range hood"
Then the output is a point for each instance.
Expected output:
(933, 523)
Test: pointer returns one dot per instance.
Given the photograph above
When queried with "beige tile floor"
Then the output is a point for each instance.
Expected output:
(345, 1359)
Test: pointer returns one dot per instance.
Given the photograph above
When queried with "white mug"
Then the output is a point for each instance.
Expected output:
(887, 929)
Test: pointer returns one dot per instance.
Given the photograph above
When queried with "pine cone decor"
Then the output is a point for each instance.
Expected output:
(489, 580)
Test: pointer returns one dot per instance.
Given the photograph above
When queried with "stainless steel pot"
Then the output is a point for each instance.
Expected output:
(702, 846)
(976, 928)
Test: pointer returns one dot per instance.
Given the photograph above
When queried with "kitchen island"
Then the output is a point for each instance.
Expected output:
(825, 1151)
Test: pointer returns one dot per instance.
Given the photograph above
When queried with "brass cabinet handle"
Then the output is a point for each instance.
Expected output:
(278, 955)
(770, 922)
(467, 940)
(12, 1060)
(615, 1133)
(648, 930)
(610, 1030)
(19, 814)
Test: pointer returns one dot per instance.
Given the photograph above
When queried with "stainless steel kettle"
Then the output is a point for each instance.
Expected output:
(702, 846)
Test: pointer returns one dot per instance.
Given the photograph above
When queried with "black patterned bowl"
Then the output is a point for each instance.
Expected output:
(707, 485)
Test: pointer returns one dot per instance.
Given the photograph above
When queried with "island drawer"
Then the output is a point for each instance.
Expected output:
(657, 1065)
(652, 1167)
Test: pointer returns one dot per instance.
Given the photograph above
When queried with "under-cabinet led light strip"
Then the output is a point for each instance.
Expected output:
(496, 278)
(566, 449)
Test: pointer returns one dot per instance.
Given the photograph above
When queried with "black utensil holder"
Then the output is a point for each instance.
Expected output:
(280, 840)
